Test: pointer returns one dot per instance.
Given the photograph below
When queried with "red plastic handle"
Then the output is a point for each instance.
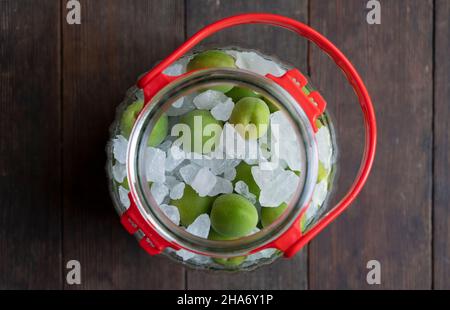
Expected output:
(288, 242)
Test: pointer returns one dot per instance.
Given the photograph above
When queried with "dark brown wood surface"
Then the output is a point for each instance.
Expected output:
(441, 218)
(391, 219)
(102, 54)
(30, 153)
(60, 85)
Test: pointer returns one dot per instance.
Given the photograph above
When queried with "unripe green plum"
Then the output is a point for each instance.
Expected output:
(212, 59)
(244, 174)
(252, 112)
(273, 107)
(270, 215)
(322, 173)
(233, 216)
(159, 132)
(191, 205)
(125, 184)
(198, 136)
(303, 223)
(230, 262)
(214, 235)
(238, 92)
(129, 117)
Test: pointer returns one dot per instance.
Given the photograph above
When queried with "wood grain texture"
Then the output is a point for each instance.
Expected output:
(441, 235)
(30, 170)
(116, 42)
(285, 274)
(391, 219)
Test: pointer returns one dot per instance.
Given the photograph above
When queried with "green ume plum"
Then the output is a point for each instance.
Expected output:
(233, 216)
(270, 215)
(273, 107)
(191, 205)
(200, 142)
(322, 173)
(129, 117)
(230, 262)
(250, 117)
(237, 93)
(244, 174)
(159, 132)
(212, 59)
(214, 235)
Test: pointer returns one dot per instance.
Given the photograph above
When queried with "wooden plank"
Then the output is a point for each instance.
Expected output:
(391, 220)
(116, 41)
(30, 170)
(286, 274)
(442, 147)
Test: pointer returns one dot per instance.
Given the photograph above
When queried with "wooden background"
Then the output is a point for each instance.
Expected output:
(59, 87)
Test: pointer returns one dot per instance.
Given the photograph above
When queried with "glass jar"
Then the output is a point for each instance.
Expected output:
(317, 171)
(218, 217)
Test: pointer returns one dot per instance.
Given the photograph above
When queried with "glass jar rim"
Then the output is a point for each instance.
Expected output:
(157, 105)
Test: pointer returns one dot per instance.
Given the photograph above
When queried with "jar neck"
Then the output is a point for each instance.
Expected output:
(184, 86)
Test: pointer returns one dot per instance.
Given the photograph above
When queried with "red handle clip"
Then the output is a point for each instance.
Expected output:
(313, 104)
(151, 241)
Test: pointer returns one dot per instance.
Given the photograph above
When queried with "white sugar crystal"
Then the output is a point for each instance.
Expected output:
(123, 197)
(178, 103)
(119, 172)
(254, 62)
(175, 69)
(285, 144)
(242, 188)
(171, 181)
(165, 145)
(324, 146)
(189, 172)
(222, 186)
(216, 165)
(181, 106)
(200, 227)
(286, 131)
(138, 93)
(171, 212)
(175, 156)
(277, 186)
(266, 253)
(120, 145)
(177, 191)
(222, 111)
(203, 182)
(201, 259)
(233, 146)
(155, 162)
(185, 255)
(209, 99)
(159, 192)
(230, 173)
(254, 231)
(320, 193)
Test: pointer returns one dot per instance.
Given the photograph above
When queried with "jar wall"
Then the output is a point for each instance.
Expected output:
(324, 187)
